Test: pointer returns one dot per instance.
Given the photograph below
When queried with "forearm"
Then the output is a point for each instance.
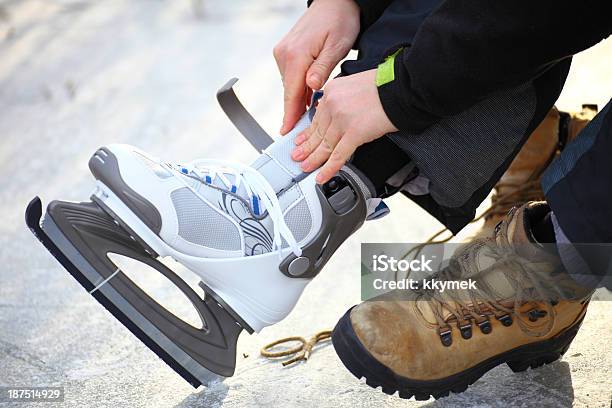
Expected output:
(467, 50)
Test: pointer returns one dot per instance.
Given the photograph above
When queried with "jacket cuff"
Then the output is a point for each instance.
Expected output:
(370, 11)
(396, 95)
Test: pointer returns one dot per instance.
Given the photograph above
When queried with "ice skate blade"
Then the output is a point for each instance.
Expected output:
(80, 235)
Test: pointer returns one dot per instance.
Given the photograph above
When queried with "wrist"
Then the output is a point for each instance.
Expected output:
(382, 119)
(385, 78)
(397, 95)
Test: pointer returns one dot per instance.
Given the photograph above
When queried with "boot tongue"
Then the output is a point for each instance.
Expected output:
(276, 164)
(518, 233)
(513, 235)
(520, 236)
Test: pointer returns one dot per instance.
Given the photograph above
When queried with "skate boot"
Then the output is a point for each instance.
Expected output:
(256, 236)
(524, 311)
(225, 220)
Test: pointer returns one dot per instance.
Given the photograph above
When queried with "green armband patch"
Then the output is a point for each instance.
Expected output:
(385, 72)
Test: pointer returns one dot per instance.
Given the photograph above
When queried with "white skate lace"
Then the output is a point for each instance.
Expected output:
(255, 185)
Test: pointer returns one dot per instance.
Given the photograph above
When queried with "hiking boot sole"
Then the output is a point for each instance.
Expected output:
(361, 363)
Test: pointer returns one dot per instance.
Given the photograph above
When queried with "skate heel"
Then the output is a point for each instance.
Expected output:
(104, 165)
(544, 352)
(212, 296)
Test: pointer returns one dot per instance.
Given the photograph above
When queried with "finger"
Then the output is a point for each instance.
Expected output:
(294, 93)
(321, 68)
(280, 63)
(304, 134)
(313, 135)
(323, 151)
(300, 138)
(305, 141)
(341, 154)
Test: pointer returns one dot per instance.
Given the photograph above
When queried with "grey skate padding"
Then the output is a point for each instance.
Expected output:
(201, 225)
(298, 220)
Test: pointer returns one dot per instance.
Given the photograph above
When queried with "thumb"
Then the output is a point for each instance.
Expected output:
(321, 68)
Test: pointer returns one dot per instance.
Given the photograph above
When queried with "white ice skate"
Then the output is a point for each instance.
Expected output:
(256, 235)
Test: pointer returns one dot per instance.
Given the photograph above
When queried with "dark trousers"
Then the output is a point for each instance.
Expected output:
(578, 188)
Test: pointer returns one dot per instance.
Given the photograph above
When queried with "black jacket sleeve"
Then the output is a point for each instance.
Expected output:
(468, 49)
(369, 11)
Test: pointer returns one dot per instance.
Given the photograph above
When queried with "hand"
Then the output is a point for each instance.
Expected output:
(349, 115)
(307, 55)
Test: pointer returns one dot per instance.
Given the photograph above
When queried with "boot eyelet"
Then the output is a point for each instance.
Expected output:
(466, 331)
(446, 336)
(505, 320)
(535, 314)
(485, 326)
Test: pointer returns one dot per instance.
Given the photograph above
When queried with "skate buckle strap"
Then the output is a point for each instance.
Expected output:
(316, 95)
(244, 121)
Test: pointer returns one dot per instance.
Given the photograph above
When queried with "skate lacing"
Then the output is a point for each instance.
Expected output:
(529, 283)
(255, 185)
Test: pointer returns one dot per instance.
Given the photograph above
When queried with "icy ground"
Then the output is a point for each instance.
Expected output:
(75, 75)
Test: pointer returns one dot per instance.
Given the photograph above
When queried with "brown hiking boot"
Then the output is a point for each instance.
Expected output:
(521, 181)
(525, 312)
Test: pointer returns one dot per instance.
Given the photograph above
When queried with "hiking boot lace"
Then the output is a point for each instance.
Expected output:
(529, 282)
